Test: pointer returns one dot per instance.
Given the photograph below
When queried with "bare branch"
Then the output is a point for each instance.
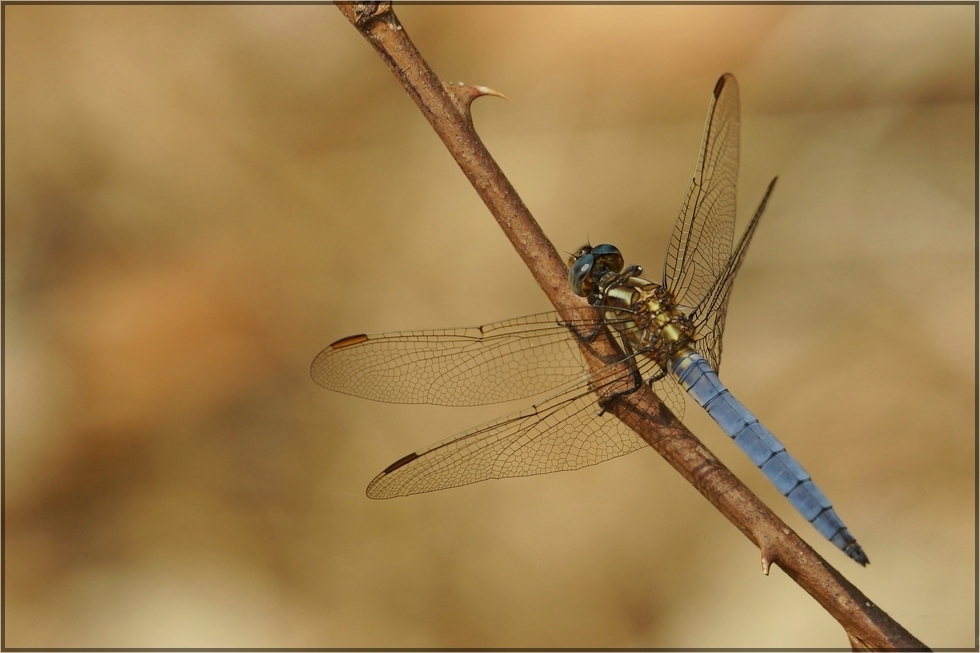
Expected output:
(447, 108)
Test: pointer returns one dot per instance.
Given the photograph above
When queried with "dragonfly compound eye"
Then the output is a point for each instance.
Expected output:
(580, 274)
(608, 257)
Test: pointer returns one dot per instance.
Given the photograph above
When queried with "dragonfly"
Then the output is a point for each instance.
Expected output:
(667, 336)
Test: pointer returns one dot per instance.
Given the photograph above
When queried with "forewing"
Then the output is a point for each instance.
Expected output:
(471, 366)
(701, 242)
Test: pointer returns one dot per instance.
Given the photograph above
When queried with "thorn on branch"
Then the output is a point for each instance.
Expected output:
(463, 95)
(769, 549)
(767, 561)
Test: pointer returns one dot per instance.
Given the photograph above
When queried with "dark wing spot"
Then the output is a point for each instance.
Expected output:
(349, 341)
(401, 462)
(720, 84)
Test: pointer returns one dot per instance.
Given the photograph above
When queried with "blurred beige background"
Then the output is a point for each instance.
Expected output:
(200, 198)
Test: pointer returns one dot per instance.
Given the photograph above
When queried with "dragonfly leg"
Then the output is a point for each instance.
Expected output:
(606, 402)
(584, 337)
(656, 377)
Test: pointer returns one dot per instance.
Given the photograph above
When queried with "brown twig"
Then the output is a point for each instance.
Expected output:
(446, 107)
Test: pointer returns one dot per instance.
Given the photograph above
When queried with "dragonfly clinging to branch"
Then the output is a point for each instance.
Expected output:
(668, 336)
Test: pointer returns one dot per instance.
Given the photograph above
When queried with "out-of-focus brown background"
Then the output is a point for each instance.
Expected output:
(199, 199)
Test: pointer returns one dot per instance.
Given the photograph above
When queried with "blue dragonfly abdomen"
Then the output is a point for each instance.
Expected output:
(700, 380)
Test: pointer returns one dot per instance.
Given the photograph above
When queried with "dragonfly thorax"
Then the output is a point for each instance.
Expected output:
(643, 314)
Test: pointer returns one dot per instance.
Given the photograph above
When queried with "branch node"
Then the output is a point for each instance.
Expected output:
(856, 643)
(366, 11)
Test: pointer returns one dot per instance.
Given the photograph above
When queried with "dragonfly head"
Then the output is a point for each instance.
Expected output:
(588, 264)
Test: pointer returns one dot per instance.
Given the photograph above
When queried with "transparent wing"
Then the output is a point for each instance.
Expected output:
(472, 366)
(709, 315)
(454, 367)
(701, 242)
(565, 431)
